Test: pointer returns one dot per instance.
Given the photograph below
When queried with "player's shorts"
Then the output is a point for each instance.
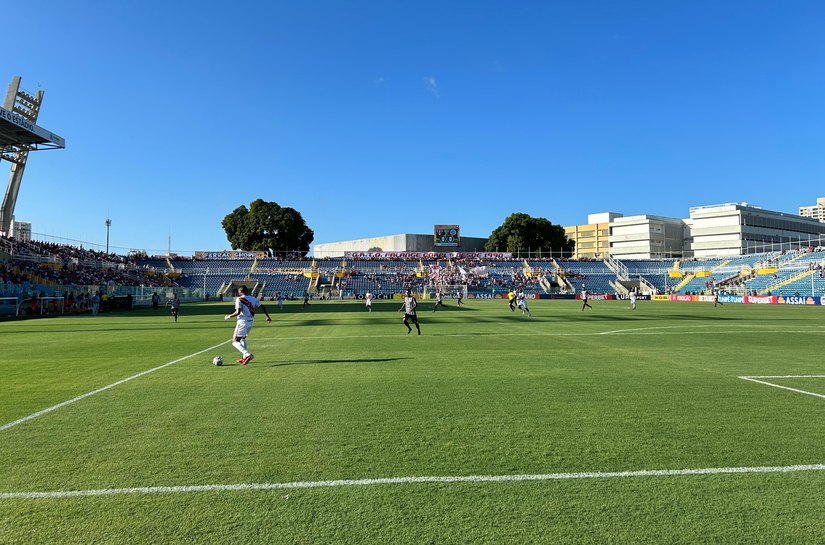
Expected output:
(243, 327)
(411, 317)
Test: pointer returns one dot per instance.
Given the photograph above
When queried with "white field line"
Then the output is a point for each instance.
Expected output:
(797, 390)
(782, 376)
(677, 330)
(635, 329)
(104, 388)
(409, 480)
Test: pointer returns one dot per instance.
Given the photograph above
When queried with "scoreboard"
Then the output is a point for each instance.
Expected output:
(447, 235)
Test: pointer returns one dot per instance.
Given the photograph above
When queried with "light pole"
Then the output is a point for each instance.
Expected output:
(108, 224)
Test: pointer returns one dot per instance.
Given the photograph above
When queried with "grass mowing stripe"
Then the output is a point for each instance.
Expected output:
(104, 388)
(412, 480)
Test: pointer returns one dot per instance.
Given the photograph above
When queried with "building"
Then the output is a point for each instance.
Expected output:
(21, 230)
(647, 237)
(396, 243)
(592, 238)
(738, 229)
(817, 211)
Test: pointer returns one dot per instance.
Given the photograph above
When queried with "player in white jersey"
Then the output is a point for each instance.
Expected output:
(633, 299)
(174, 304)
(440, 301)
(584, 297)
(410, 315)
(521, 302)
(245, 308)
(368, 297)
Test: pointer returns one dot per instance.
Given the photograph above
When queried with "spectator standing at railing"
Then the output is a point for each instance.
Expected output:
(95, 304)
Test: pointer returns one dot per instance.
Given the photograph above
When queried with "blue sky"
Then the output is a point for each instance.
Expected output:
(387, 117)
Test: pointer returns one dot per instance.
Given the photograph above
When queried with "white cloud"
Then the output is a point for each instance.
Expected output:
(432, 85)
(379, 81)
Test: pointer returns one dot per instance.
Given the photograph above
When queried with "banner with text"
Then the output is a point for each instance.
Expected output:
(228, 254)
(428, 255)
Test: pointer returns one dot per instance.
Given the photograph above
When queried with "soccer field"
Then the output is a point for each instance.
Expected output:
(599, 426)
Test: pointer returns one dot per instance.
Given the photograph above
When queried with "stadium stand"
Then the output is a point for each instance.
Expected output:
(596, 275)
(37, 269)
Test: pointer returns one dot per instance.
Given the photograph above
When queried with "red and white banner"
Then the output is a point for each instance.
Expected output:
(428, 255)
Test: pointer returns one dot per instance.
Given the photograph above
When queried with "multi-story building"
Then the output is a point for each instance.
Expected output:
(816, 211)
(592, 238)
(21, 230)
(738, 229)
(647, 237)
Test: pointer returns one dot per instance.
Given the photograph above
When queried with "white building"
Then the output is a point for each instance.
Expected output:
(737, 229)
(647, 237)
(817, 211)
(21, 230)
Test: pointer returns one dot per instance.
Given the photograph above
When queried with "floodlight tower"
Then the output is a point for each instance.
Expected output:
(108, 224)
(19, 134)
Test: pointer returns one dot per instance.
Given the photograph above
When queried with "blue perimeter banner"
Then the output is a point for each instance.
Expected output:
(773, 300)
(801, 300)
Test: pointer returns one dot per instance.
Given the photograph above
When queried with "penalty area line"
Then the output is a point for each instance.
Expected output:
(104, 388)
(409, 480)
(755, 378)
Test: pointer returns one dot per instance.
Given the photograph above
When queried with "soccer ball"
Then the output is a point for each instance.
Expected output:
(217, 360)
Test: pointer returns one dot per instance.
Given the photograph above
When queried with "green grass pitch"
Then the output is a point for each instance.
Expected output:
(335, 393)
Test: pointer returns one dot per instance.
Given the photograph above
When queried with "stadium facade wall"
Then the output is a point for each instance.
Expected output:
(395, 243)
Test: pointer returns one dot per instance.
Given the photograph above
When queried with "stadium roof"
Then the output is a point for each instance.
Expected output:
(16, 130)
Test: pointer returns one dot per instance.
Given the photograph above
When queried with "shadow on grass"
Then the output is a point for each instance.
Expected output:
(437, 318)
(317, 362)
(657, 317)
(109, 329)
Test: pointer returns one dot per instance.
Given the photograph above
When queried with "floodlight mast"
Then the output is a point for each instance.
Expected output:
(20, 134)
(108, 224)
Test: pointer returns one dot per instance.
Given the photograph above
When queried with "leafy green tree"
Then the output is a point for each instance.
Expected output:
(266, 226)
(523, 233)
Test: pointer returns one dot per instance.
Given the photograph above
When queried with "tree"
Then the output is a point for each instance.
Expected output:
(266, 226)
(523, 233)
